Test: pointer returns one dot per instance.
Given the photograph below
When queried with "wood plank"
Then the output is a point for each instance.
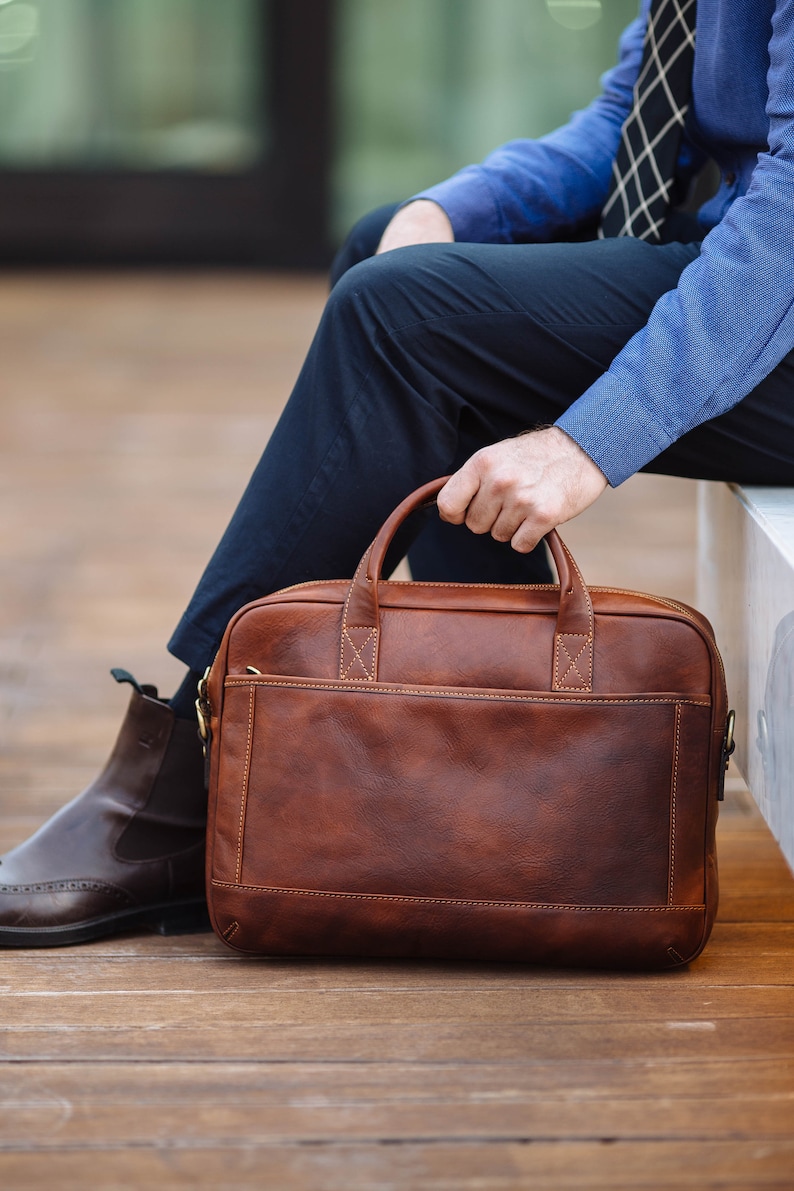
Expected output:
(256, 1104)
(769, 947)
(741, 1165)
(46, 1125)
(750, 1037)
(233, 1006)
(756, 941)
(715, 1078)
(724, 964)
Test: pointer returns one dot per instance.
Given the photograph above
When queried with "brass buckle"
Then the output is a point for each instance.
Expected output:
(203, 707)
(730, 743)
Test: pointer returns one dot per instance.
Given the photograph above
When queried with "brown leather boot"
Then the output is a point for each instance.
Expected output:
(127, 852)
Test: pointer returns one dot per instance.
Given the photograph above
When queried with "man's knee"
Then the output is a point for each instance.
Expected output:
(362, 241)
(393, 289)
(373, 292)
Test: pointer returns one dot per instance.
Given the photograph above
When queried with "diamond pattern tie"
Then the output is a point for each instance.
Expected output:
(643, 172)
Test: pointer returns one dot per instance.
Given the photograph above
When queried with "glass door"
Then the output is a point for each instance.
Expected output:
(164, 130)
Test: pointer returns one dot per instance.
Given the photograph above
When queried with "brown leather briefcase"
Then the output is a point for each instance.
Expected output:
(459, 770)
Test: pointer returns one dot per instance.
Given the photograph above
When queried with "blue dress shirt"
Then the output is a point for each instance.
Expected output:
(711, 340)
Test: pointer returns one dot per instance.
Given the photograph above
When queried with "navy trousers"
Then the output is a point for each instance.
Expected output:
(426, 354)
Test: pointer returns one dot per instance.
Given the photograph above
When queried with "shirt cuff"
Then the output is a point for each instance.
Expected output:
(609, 426)
(470, 206)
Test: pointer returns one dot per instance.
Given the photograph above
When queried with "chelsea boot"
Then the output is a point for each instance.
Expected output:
(127, 852)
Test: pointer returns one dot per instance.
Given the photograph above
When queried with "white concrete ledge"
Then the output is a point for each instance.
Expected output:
(746, 588)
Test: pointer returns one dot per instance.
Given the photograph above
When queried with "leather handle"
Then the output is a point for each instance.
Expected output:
(572, 668)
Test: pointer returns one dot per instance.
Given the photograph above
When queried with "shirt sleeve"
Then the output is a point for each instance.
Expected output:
(730, 321)
(534, 190)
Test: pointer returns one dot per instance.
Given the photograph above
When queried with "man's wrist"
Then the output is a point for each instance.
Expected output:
(421, 221)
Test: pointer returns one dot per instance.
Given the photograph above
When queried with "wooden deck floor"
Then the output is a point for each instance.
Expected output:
(132, 410)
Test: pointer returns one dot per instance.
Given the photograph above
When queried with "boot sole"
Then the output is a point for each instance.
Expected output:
(180, 918)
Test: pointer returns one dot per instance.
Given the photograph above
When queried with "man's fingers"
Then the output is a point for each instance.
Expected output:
(477, 497)
(519, 489)
(457, 494)
(484, 510)
(526, 538)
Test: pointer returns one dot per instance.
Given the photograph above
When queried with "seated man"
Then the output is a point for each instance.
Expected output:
(541, 325)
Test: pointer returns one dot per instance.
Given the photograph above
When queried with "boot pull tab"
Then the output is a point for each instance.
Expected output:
(147, 692)
(125, 676)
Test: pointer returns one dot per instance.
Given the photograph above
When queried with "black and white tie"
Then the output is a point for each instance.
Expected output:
(643, 172)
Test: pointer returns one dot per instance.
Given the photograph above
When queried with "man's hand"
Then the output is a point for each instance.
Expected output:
(421, 222)
(519, 489)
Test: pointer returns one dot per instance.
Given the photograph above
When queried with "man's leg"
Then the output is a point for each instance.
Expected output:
(442, 552)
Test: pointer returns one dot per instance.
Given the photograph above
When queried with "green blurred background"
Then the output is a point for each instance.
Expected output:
(322, 108)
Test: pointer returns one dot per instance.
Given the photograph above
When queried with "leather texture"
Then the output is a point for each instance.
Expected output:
(453, 770)
(128, 851)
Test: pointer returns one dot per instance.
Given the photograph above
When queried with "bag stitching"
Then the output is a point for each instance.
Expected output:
(587, 682)
(246, 776)
(357, 655)
(343, 672)
(673, 793)
(449, 901)
(559, 683)
(443, 692)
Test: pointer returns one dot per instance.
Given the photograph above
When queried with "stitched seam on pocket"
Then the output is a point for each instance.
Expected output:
(246, 775)
(361, 686)
(449, 901)
(673, 793)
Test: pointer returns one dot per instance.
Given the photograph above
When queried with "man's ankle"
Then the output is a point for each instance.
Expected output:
(183, 701)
